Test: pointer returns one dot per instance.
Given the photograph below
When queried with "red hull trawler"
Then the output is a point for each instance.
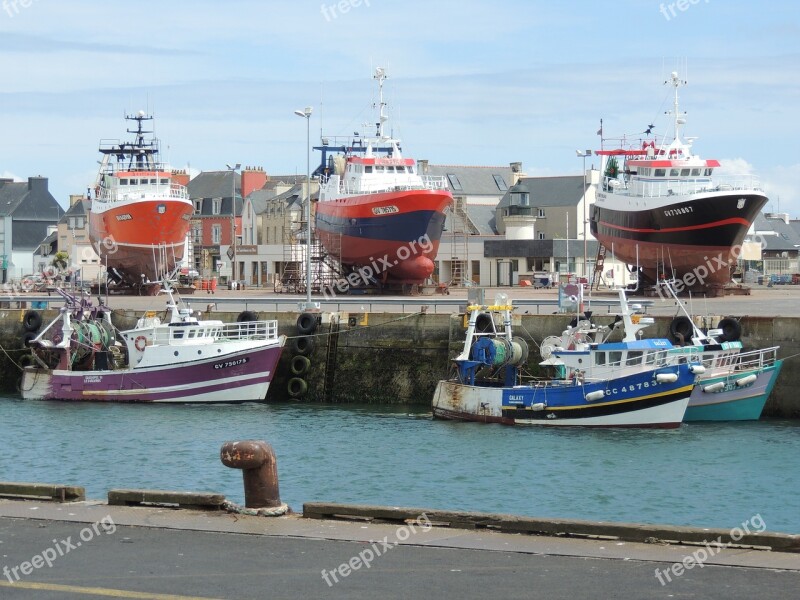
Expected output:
(139, 216)
(667, 212)
(376, 213)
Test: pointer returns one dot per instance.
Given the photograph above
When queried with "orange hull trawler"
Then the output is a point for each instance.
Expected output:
(139, 216)
(665, 210)
(376, 214)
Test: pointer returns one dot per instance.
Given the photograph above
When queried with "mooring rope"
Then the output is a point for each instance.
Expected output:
(238, 509)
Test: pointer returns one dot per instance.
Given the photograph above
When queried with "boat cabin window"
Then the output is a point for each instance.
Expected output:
(599, 358)
(634, 357)
(367, 168)
(685, 172)
(401, 169)
(644, 172)
(708, 172)
(411, 170)
(165, 182)
(660, 172)
(390, 169)
(614, 358)
(674, 172)
(134, 182)
(123, 182)
(650, 358)
(379, 168)
(695, 172)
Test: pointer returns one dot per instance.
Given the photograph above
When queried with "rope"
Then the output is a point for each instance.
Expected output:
(11, 360)
(238, 509)
(354, 329)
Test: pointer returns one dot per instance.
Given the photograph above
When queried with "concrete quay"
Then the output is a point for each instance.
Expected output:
(96, 551)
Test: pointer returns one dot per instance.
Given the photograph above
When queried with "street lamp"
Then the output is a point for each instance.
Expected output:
(306, 114)
(233, 170)
(583, 154)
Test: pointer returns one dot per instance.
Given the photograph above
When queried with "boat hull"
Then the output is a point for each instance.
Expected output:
(141, 237)
(659, 405)
(733, 403)
(699, 234)
(394, 234)
(238, 376)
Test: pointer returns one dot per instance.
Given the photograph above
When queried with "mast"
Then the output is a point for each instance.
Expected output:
(680, 120)
(380, 75)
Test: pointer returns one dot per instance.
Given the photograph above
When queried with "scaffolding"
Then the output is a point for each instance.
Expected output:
(291, 276)
(461, 228)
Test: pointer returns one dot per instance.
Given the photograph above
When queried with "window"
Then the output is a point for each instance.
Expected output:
(695, 172)
(216, 204)
(379, 168)
(165, 182)
(411, 170)
(454, 182)
(660, 172)
(501, 183)
(709, 172)
(198, 206)
(600, 358)
(541, 235)
(541, 213)
(634, 357)
(216, 233)
(197, 234)
(674, 172)
(401, 169)
(123, 182)
(367, 168)
(390, 169)
(685, 172)
(614, 358)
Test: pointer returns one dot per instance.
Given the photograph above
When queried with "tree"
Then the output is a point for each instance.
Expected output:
(60, 260)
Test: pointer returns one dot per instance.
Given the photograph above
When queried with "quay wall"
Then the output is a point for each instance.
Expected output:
(390, 358)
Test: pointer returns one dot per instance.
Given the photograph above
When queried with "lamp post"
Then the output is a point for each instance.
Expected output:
(583, 154)
(306, 114)
(233, 170)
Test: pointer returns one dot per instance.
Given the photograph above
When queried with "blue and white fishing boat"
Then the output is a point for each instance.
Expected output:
(624, 384)
(735, 385)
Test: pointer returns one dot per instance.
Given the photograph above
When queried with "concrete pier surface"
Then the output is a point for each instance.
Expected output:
(92, 550)
(778, 301)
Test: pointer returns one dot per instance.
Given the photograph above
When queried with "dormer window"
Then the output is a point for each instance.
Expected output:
(216, 204)
(501, 183)
(454, 182)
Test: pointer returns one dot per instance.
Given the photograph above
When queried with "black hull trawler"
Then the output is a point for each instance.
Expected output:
(665, 210)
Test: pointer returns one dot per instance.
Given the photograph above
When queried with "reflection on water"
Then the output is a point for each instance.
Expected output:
(715, 475)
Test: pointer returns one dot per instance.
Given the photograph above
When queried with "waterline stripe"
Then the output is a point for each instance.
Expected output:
(107, 592)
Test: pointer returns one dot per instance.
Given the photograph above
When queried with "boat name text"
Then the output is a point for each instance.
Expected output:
(684, 210)
(385, 210)
(231, 363)
(125, 217)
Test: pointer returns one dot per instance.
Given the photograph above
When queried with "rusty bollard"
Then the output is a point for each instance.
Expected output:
(259, 468)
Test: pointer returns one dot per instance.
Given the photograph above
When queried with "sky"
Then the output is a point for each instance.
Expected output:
(470, 82)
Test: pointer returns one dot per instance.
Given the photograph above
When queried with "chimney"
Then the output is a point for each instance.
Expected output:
(75, 198)
(422, 166)
(37, 184)
(253, 178)
(181, 177)
(516, 172)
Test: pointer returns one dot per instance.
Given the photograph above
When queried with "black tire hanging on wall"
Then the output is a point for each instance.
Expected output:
(297, 387)
(731, 329)
(303, 345)
(681, 325)
(306, 323)
(26, 360)
(28, 338)
(299, 365)
(32, 321)
(246, 315)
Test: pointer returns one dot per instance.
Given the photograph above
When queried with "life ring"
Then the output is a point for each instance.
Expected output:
(303, 345)
(297, 387)
(731, 329)
(306, 323)
(299, 365)
(140, 342)
(32, 320)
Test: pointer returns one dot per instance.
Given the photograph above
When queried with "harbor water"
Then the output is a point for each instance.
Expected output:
(713, 475)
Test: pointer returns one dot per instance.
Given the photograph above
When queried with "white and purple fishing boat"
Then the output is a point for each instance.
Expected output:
(624, 384)
(81, 356)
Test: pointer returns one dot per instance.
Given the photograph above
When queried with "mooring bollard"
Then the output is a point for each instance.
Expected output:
(259, 469)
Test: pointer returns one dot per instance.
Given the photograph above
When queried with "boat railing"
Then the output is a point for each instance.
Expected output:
(166, 335)
(143, 192)
(398, 185)
(683, 187)
(756, 359)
